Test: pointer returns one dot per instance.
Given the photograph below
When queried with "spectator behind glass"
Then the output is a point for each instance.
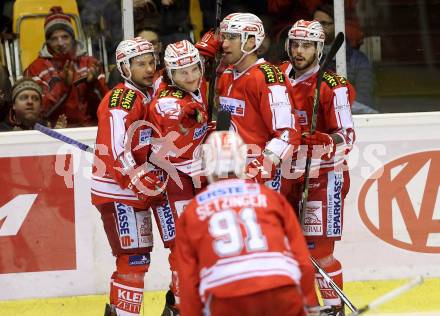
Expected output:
(5, 92)
(208, 8)
(175, 22)
(73, 83)
(26, 108)
(359, 71)
(150, 35)
(102, 18)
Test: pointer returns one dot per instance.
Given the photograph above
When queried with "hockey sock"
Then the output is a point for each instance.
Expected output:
(126, 296)
(334, 270)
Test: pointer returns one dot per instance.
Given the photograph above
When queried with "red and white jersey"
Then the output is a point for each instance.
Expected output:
(334, 113)
(260, 106)
(118, 110)
(183, 149)
(237, 238)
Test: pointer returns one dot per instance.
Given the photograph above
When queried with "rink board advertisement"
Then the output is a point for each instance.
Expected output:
(52, 242)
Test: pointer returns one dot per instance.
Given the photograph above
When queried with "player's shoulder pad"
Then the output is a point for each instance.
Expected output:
(115, 96)
(172, 92)
(272, 74)
(333, 80)
(128, 99)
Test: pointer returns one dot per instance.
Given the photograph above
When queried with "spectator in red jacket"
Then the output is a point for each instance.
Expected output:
(73, 83)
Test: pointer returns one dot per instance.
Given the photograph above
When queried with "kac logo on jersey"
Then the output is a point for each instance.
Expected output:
(334, 205)
(167, 223)
(199, 132)
(233, 106)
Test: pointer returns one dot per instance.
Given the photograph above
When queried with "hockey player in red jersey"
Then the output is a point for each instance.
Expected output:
(255, 93)
(179, 109)
(123, 185)
(240, 248)
(329, 185)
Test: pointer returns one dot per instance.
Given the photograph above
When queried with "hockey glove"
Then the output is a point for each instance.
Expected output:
(327, 149)
(208, 45)
(261, 169)
(146, 185)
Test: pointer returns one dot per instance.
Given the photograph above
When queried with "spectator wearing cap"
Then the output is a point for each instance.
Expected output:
(26, 107)
(359, 71)
(73, 83)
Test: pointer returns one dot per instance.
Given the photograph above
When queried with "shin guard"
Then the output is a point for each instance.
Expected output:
(126, 296)
(329, 296)
(127, 286)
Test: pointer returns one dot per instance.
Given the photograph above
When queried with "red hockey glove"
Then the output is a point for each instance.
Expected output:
(208, 45)
(261, 169)
(328, 148)
(192, 114)
(146, 185)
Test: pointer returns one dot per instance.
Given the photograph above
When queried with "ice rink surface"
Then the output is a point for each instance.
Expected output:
(421, 301)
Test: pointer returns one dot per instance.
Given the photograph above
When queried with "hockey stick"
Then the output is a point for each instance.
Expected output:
(213, 80)
(334, 286)
(389, 296)
(333, 50)
(328, 59)
(54, 134)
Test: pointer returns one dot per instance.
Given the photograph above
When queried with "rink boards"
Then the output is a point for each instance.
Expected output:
(51, 235)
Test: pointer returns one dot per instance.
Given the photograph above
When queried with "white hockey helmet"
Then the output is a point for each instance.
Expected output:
(180, 55)
(224, 152)
(245, 24)
(306, 31)
(130, 48)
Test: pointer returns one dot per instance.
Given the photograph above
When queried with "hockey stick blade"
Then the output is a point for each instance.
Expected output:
(66, 139)
(223, 121)
(390, 295)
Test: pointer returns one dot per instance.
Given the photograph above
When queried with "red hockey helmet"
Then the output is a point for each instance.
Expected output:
(224, 152)
(306, 31)
(245, 24)
(130, 48)
(180, 55)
